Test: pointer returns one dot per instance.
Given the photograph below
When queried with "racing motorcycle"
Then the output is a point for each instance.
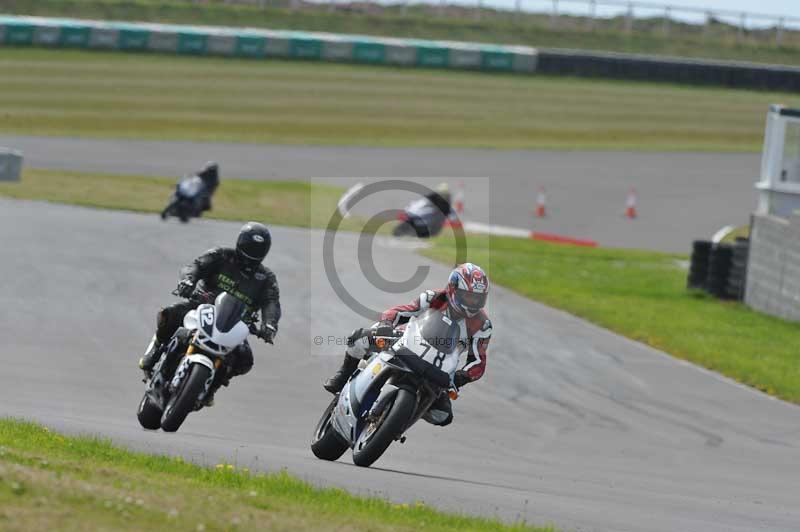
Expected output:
(421, 218)
(183, 375)
(189, 200)
(405, 373)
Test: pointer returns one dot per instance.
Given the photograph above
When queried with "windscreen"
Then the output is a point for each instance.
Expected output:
(229, 312)
(438, 331)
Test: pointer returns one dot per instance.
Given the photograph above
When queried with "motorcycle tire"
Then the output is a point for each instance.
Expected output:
(149, 414)
(394, 422)
(326, 443)
(184, 400)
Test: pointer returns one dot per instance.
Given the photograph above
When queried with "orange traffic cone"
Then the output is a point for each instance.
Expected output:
(630, 204)
(454, 220)
(541, 203)
(458, 199)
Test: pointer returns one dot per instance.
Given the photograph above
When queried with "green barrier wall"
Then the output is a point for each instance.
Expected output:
(258, 44)
(203, 40)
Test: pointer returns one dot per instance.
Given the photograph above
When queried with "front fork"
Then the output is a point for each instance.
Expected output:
(191, 357)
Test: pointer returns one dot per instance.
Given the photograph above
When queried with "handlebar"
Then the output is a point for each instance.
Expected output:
(202, 296)
(198, 296)
(379, 342)
(255, 331)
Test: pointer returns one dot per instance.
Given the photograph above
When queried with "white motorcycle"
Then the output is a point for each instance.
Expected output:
(421, 218)
(183, 375)
(391, 390)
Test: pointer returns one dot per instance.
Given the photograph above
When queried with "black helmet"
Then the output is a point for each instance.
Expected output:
(253, 244)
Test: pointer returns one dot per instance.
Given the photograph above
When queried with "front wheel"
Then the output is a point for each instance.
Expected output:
(376, 437)
(327, 444)
(185, 398)
(149, 414)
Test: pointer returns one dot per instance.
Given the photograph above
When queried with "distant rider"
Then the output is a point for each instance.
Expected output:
(210, 176)
(463, 300)
(237, 271)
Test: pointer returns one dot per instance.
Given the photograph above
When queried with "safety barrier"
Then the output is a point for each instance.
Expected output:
(670, 69)
(260, 43)
(257, 43)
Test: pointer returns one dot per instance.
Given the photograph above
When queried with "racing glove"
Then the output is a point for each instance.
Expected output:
(461, 378)
(268, 332)
(185, 288)
(383, 328)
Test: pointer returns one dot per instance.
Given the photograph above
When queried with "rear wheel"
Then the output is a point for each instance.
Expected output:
(149, 414)
(184, 400)
(327, 444)
(376, 437)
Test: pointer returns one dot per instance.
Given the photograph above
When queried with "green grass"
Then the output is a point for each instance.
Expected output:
(108, 95)
(276, 202)
(52, 482)
(643, 295)
(460, 24)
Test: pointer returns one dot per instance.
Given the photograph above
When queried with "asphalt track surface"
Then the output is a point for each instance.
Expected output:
(681, 196)
(571, 425)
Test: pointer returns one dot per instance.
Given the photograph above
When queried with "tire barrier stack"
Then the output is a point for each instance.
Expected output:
(260, 44)
(733, 74)
(719, 266)
(698, 268)
(719, 269)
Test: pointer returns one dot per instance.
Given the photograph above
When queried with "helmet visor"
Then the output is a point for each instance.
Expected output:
(252, 251)
(470, 300)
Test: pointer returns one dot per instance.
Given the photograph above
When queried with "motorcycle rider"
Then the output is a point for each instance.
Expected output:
(237, 271)
(463, 300)
(426, 223)
(210, 176)
(440, 198)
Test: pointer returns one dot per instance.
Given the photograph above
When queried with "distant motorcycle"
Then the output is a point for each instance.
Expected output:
(421, 218)
(183, 375)
(391, 390)
(193, 194)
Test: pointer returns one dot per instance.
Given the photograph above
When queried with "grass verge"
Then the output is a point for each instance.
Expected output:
(52, 482)
(140, 96)
(719, 41)
(642, 295)
(274, 202)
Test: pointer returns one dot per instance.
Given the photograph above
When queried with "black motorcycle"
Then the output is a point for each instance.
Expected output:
(192, 196)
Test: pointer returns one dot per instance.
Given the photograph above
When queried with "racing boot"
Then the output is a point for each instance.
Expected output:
(223, 378)
(208, 401)
(151, 356)
(339, 379)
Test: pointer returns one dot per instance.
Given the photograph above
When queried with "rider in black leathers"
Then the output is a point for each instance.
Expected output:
(237, 271)
(210, 176)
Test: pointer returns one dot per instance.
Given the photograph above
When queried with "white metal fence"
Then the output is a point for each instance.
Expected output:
(629, 14)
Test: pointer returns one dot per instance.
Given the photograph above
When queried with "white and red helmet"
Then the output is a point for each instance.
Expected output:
(467, 289)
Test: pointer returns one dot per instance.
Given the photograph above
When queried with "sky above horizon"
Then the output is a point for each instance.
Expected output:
(780, 8)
